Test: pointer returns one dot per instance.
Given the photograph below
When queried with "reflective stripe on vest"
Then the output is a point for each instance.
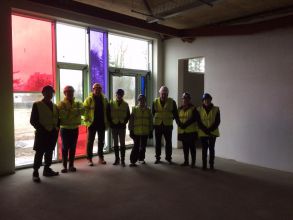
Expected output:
(185, 115)
(142, 117)
(70, 114)
(47, 118)
(118, 112)
(208, 120)
(163, 114)
(89, 110)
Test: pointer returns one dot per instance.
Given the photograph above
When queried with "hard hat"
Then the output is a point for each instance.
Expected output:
(164, 89)
(48, 88)
(206, 96)
(186, 95)
(97, 85)
(120, 92)
(140, 97)
(68, 88)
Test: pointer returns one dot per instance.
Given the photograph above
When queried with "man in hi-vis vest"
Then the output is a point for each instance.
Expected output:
(208, 124)
(44, 118)
(118, 115)
(187, 129)
(70, 111)
(164, 110)
(95, 119)
(140, 127)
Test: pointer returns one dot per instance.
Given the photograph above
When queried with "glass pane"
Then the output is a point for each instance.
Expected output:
(127, 83)
(128, 53)
(196, 65)
(23, 130)
(73, 78)
(33, 53)
(99, 58)
(72, 44)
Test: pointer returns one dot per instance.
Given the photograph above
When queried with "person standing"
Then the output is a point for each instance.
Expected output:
(95, 118)
(118, 115)
(187, 129)
(44, 118)
(164, 110)
(208, 124)
(70, 112)
(140, 126)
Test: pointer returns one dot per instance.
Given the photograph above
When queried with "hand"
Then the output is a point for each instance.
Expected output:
(151, 135)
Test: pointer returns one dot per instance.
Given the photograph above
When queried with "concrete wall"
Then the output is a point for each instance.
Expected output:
(250, 78)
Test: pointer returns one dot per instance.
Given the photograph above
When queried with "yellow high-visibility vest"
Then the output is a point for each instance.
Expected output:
(47, 118)
(118, 112)
(208, 120)
(70, 114)
(89, 110)
(185, 115)
(142, 120)
(163, 114)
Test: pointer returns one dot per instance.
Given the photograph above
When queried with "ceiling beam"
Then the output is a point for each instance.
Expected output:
(108, 15)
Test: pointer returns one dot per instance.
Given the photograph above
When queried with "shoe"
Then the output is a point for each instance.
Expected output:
(102, 161)
(36, 177)
(157, 161)
(123, 163)
(48, 172)
(192, 165)
(212, 167)
(204, 168)
(90, 162)
(184, 164)
(64, 170)
(169, 161)
(117, 162)
(72, 169)
(142, 162)
(132, 165)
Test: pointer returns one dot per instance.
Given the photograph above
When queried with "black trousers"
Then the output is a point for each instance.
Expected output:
(69, 140)
(44, 145)
(188, 142)
(208, 143)
(165, 131)
(138, 150)
(90, 142)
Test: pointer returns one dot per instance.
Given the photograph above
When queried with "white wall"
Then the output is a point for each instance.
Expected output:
(250, 78)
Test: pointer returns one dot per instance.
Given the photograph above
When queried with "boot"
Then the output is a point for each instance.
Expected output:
(122, 151)
(117, 159)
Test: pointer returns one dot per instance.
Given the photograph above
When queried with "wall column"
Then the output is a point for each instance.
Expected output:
(7, 157)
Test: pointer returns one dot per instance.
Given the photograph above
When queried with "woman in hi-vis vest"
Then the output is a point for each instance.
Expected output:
(208, 124)
(187, 129)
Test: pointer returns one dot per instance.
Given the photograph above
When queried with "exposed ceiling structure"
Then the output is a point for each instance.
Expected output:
(188, 18)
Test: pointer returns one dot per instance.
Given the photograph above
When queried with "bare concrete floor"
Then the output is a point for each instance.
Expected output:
(234, 191)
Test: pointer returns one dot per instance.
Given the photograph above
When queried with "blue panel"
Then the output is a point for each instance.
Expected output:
(142, 85)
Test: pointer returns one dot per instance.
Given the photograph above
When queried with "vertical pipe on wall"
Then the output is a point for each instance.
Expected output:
(7, 158)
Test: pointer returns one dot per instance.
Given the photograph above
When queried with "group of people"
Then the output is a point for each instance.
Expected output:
(98, 114)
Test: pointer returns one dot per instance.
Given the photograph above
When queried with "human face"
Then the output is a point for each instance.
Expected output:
(141, 102)
(163, 96)
(207, 102)
(97, 90)
(119, 97)
(69, 94)
(185, 101)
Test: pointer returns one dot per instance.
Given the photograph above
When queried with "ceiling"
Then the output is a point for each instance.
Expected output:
(187, 18)
(188, 14)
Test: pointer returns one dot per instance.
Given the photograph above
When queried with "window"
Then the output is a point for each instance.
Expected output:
(196, 65)
(125, 52)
